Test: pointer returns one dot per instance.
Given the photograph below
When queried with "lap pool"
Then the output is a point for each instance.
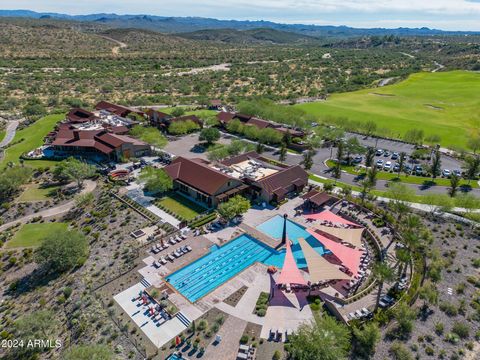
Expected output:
(222, 263)
(212, 270)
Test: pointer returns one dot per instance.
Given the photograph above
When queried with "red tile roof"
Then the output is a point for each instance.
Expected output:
(197, 175)
(225, 117)
(279, 181)
(78, 115)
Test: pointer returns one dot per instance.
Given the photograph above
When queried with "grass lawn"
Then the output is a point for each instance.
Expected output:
(35, 192)
(442, 103)
(2, 134)
(202, 114)
(409, 179)
(32, 234)
(181, 206)
(32, 138)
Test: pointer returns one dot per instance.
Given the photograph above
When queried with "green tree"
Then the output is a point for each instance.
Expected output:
(414, 136)
(382, 272)
(429, 294)
(74, 170)
(369, 156)
(398, 351)
(88, 352)
(337, 170)
(308, 159)
(282, 154)
(235, 206)
(454, 184)
(435, 168)
(472, 166)
(150, 135)
(366, 339)
(404, 314)
(178, 111)
(182, 127)
(372, 176)
(400, 195)
(210, 135)
(352, 146)
(62, 250)
(324, 339)
(11, 179)
(370, 127)
(401, 162)
(473, 143)
(156, 180)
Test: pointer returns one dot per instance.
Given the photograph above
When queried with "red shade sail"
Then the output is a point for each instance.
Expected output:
(349, 257)
(327, 215)
(290, 273)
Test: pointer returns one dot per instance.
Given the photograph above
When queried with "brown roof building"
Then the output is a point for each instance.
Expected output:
(67, 141)
(119, 110)
(80, 116)
(204, 184)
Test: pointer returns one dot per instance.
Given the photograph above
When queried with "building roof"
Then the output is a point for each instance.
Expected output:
(101, 140)
(159, 114)
(319, 268)
(290, 274)
(278, 183)
(316, 197)
(79, 115)
(259, 123)
(240, 158)
(198, 175)
(225, 117)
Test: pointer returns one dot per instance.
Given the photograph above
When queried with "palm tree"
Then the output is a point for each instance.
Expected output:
(454, 183)
(382, 272)
(401, 162)
(369, 156)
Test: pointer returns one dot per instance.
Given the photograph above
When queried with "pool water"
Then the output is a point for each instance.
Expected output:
(210, 271)
(274, 228)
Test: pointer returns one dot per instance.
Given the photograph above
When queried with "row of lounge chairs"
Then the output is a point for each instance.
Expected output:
(171, 241)
(246, 352)
(172, 256)
(279, 335)
(359, 314)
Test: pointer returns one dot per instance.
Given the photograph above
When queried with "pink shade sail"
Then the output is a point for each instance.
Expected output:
(290, 273)
(349, 257)
(327, 215)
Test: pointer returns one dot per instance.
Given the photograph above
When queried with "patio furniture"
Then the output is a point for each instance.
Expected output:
(156, 264)
(244, 348)
(172, 241)
(273, 334)
(163, 261)
(170, 257)
(352, 315)
(154, 250)
(365, 311)
(189, 248)
(280, 335)
(242, 356)
(358, 313)
(176, 254)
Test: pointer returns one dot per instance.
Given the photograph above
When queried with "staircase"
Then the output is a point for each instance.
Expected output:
(145, 283)
(183, 319)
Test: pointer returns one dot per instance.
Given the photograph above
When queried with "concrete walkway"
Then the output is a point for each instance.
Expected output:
(54, 211)
(231, 332)
(9, 133)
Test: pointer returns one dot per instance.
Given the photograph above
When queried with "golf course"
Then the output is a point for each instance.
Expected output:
(445, 104)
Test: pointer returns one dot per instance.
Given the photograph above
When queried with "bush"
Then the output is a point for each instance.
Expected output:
(449, 309)
(202, 325)
(67, 291)
(244, 339)
(277, 355)
(461, 329)
(400, 352)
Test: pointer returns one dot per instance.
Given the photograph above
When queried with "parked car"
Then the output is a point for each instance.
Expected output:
(379, 152)
(357, 159)
(395, 156)
(386, 153)
(446, 172)
(396, 167)
(387, 166)
(379, 163)
(457, 172)
(418, 170)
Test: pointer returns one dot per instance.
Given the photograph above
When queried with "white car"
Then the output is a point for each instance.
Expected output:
(387, 166)
(446, 172)
(379, 163)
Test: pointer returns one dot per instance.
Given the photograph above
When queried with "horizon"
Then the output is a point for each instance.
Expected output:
(447, 15)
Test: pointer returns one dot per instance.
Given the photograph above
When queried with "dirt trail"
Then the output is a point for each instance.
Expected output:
(115, 49)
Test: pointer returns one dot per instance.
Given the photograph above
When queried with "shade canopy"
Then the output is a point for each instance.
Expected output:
(318, 267)
(290, 273)
(349, 257)
(351, 235)
(327, 215)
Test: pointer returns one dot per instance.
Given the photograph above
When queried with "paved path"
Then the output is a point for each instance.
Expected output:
(90, 185)
(10, 133)
(231, 332)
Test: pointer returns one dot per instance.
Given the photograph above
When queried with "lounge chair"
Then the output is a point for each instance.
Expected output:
(365, 311)
(183, 236)
(156, 264)
(178, 238)
(273, 334)
(154, 250)
(288, 288)
(170, 257)
(189, 248)
(280, 335)
(163, 261)
(242, 356)
(165, 245)
(352, 316)
(358, 313)
(172, 241)
(180, 251)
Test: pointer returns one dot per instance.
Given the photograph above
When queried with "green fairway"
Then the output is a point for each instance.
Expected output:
(32, 234)
(443, 103)
(32, 138)
(36, 192)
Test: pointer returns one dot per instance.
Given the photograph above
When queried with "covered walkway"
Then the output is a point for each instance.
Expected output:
(329, 217)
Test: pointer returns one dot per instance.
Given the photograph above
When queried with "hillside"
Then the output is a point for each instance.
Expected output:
(444, 104)
(254, 36)
(191, 24)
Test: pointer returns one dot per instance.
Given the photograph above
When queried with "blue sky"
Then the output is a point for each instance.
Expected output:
(440, 14)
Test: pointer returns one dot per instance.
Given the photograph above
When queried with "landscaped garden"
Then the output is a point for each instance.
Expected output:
(179, 206)
(30, 235)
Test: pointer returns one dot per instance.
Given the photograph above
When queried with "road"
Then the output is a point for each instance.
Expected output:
(90, 185)
(10, 133)
(115, 49)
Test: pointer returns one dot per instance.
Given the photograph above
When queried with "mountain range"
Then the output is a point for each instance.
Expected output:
(167, 24)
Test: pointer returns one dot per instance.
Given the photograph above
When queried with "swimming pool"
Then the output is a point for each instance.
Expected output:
(212, 270)
(274, 228)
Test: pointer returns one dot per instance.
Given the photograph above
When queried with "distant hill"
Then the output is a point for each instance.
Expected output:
(254, 36)
(193, 24)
